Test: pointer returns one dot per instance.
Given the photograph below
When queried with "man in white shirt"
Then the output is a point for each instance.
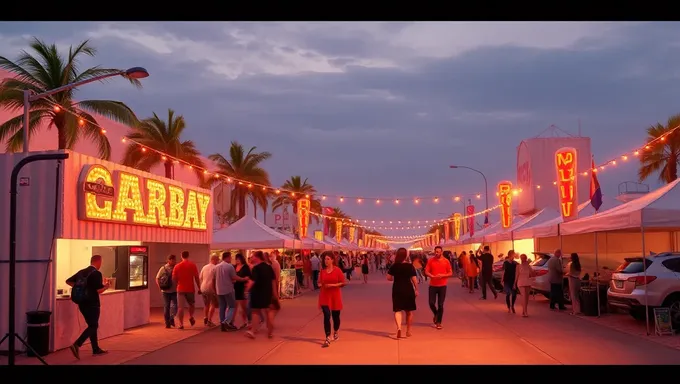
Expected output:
(225, 275)
(273, 259)
(207, 279)
(316, 267)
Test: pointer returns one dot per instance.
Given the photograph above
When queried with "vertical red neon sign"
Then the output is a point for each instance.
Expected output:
(565, 164)
(505, 200)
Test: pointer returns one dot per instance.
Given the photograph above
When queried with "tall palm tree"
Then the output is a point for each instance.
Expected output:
(164, 137)
(300, 188)
(245, 166)
(47, 69)
(337, 213)
(662, 156)
(260, 199)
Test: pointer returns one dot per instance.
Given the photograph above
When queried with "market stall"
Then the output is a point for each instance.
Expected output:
(504, 240)
(84, 206)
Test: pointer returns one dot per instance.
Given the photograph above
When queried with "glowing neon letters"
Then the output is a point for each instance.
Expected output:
(338, 231)
(505, 201)
(456, 225)
(125, 198)
(303, 216)
(565, 164)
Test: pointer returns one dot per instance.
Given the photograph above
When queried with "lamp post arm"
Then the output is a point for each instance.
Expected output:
(66, 87)
(486, 184)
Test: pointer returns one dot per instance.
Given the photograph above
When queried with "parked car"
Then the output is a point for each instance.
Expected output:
(541, 284)
(627, 288)
(498, 273)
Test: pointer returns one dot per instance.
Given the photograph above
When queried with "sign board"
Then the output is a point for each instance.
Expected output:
(125, 198)
(565, 164)
(24, 181)
(662, 321)
(303, 207)
(505, 201)
(456, 225)
(288, 282)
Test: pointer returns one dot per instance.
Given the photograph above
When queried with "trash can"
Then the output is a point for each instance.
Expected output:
(38, 332)
(589, 301)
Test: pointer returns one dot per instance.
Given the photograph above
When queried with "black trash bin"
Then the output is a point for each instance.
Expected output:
(589, 301)
(38, 332)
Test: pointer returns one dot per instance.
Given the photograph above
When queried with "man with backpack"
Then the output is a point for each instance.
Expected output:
(86, 286)
(168, 288)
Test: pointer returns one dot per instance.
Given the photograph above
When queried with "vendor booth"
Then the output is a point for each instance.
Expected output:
(504, 240)
(73, 209)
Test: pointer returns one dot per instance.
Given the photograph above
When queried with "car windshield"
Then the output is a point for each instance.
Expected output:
(540, 261)
(632, 266)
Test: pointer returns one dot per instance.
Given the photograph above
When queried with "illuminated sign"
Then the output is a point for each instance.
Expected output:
(447, 231)
(338, 231)
(318, 235)
(456, 225)
(125, 198)
(351, 234)
(470, 209)
(303, 216)
(565, 163)
(505, 201)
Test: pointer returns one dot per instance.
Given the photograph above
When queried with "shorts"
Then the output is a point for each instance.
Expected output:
(210, 299)
(185, 299)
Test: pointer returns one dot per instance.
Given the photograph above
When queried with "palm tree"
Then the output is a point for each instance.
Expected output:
(336, 214)
(300, 188)
(164, 137)
(259, 198)
(244, 166)
(47, 69)
(662, 156)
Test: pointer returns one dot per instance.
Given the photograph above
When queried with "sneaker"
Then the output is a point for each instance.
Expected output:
(336, 337)
(168, 326)
(230, 327)
(99, 352)
(439, 326)
(172, 322)
(192, 321)
(250, 334)
(75, 350)
(326, 343)
(205, 321)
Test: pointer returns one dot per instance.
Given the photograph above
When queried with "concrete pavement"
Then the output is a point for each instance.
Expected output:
(475, 332)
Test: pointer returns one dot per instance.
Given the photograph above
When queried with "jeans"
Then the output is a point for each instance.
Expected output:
(315, 279)
(299, 274)
(91, 315)
(510, 294)
(556, 296)
(249, 310)
(487, 280)
(437, 295)
(327, 314)
(228, 300)
(168, 299)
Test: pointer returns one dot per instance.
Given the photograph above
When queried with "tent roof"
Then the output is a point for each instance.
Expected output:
(519, 222)
(249, 233)
(478, 237)
(659, 209)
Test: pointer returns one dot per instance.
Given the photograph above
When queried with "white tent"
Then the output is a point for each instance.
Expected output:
(346, 244)
(248, 233)
(520, 222)
(657, 210)
(478, 237)
(331, 241)
(551, 227)
(309, 243)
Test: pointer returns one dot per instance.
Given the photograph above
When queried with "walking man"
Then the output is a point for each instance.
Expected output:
(185, 274)
(556, 278)
(168, 288)
(439, 270)
(87, 284)
(223, 281)
(487, 272)
(207, 279)
(316, 267)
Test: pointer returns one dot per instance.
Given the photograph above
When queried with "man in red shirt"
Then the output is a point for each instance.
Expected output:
(185, 274)
(439, 270)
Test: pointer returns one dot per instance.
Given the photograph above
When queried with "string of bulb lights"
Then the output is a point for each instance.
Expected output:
(342, 198)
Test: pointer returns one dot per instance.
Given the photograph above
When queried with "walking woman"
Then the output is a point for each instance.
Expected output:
(508, 281)
(331, 279)
(418, 265)
(404, 290)
(575, 283)
(242, 270)
(523, 277)
(307, 270)
(471, 271)
(463, 261)
(299, 275)
(364, 268)
(263, 292)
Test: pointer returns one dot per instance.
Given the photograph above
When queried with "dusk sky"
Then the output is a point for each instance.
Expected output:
(382, 109)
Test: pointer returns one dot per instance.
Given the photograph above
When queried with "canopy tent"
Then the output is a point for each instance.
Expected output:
(478, 237)
(309, 243)
(332, 242)
(537, 218)
(248, 233)
(551, 228)
(657, 210)
(347, 245)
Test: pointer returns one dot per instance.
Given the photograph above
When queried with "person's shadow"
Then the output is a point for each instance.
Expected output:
(371, 333)
(304, 339)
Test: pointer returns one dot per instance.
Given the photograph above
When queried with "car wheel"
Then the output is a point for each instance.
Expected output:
(673, 304)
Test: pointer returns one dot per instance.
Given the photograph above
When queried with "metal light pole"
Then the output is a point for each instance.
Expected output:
(134, 73)
(486, 184)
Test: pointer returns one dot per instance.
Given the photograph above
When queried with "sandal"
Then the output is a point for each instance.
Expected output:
(326, 343)
(408, 333)
(398, 333)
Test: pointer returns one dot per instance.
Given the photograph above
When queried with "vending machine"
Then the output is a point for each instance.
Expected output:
(132, 267)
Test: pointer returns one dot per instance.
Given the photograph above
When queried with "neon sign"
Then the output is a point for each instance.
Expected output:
(505, 200)
(338, 231)
(125, 198)
(456, 225)
(565, 164)
(303, 216)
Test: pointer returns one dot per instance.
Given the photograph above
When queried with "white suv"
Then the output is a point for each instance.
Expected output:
(627, 288)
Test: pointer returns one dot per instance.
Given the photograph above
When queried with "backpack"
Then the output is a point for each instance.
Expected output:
(165, 281)
(79, 293)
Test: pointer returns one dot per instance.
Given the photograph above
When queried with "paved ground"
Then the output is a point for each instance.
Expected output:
(475, 332)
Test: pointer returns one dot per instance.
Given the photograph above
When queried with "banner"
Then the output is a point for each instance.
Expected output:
(351, 234)
(326, 221)
(338, 231)
(457, 221)
(318, 235)
(470, 212)
(437, 239)
(565, 164)
(303, 206)
(505, 200)
(447, 231)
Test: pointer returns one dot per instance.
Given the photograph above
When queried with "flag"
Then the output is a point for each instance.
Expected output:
(595, 191)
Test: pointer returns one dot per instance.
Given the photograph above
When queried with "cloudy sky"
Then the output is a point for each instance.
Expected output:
(382, 109)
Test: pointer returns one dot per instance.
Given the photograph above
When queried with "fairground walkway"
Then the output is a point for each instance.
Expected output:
(475, 332)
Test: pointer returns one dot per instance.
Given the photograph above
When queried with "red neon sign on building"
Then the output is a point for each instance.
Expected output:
(565, 163)
(505, 200)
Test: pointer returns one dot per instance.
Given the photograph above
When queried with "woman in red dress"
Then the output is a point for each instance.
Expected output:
(331, 279)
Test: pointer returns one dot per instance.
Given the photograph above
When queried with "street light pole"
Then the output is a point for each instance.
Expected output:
(486, 188)
(134, 72)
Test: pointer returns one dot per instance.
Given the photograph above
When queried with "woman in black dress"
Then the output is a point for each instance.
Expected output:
(404, 290)
(364, 268)
(263, 292)
(242, 270)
